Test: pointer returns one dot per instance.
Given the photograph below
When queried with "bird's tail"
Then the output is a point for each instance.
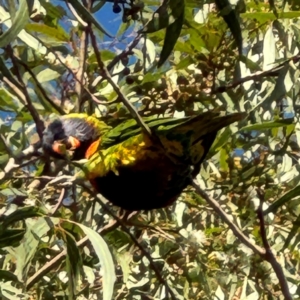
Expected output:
(211, 123)
(191, 138)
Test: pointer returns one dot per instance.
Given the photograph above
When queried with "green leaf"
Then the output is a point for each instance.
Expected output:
(220, 140)
(152, 77)
(26, 251)
(172, 34)
(47, 75)
(269, 49)
(8, 276)
(184, 63)
(18, 23)
(97, 6)
(54, 12)
(55, 33)
(295, 192)
(165, 15)
(230, 17)
(292, 234)
(12, 191)
(87, 16)
(160, 19)
(106, 55)
(253, 66)
(264, 17)
(7, 291)
(223, 160)
(196, 41)
(124, 260)
(9, 103)
(21, 214)
(74, 263)
(269, 125)
(105, 258)
(11, 237)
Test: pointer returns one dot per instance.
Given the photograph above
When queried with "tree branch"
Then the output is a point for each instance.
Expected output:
(122, 97)
(82, 65)
(225, 217)
(14, 162)
(266, 253)
(269, 256)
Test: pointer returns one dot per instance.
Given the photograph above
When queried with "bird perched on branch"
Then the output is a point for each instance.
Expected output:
(131, 169)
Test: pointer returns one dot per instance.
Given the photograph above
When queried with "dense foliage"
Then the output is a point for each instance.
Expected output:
(157, 58)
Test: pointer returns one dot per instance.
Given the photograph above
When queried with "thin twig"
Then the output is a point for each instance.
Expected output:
(6, 146)
(14, 162)
(125, 53)
(256, 76)
(269, 256)
(15, 89)
(262, 221)
(59, 201)
(35, 115)
(40, 87)
(74, 12)
(93, 97)
(82, 66)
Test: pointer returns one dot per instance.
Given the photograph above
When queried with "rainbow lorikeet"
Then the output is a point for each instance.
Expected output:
(126, 166)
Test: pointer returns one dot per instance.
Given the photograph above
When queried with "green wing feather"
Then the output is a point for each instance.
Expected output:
(182, 138)
(201, 125)
(130, 128)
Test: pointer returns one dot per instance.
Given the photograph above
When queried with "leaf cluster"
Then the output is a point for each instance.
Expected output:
(165, 58)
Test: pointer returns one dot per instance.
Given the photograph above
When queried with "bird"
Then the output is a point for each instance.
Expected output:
(130, 168)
